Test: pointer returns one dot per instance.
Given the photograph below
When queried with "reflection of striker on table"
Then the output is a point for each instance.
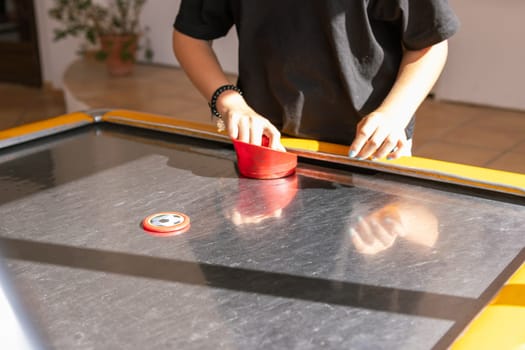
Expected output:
(332, 256)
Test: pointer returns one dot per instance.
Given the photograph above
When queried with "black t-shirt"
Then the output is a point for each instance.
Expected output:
(314, 68)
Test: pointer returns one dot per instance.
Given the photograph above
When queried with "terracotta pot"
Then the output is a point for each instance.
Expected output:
(119, 52)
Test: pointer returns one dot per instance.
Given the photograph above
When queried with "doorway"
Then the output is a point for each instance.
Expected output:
(19, 56)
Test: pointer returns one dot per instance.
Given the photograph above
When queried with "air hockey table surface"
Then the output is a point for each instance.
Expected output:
(336, 256)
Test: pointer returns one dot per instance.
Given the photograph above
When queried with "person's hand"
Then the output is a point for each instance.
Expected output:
(379, 135)
(246, 125)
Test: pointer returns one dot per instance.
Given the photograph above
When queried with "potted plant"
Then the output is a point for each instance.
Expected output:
(114, 27)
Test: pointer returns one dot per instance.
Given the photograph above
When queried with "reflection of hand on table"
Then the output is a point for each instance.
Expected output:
(379, 230)
(376, 232)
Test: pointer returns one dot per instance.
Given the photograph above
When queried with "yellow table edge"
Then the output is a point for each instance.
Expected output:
(490, 179)
(501, 324)
(46, 124)
(467, 175)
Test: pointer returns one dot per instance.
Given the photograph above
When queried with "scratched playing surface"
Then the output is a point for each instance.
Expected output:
(367, 261)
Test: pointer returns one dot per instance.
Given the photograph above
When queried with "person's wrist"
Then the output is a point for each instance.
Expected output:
(228, 101)
(219, 94)
(400, 114)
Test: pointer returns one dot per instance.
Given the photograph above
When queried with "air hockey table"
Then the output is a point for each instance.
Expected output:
(344, 254)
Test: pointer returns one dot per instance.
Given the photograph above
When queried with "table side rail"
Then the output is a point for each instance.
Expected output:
(422, 168)
(47, 127)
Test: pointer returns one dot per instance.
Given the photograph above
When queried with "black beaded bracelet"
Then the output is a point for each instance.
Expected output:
(215, 96)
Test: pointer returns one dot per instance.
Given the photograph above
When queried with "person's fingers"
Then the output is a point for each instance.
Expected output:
(274, 137)
(256, 131)
(401, 148)
(365, 129)
(251, 128)
(233, 127)
(373, 144)
(386, 147)
(361, 137)
(244, 129)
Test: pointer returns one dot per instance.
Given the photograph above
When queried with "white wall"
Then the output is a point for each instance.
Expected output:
(158, 15)
(486, 62)
(54, 56)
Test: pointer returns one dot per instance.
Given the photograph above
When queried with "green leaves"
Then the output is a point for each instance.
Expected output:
(101, 55)
(118, 17)
(127, 52)
(59, 34)
(117, 22)
(91, 20)
(84, 4)
(91, 36)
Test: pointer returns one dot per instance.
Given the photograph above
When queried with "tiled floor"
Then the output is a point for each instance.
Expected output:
(474, 135)
(481, 136)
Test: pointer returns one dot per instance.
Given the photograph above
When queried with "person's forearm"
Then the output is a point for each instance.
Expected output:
(200, 63)
(198, 60)
(417, 75)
